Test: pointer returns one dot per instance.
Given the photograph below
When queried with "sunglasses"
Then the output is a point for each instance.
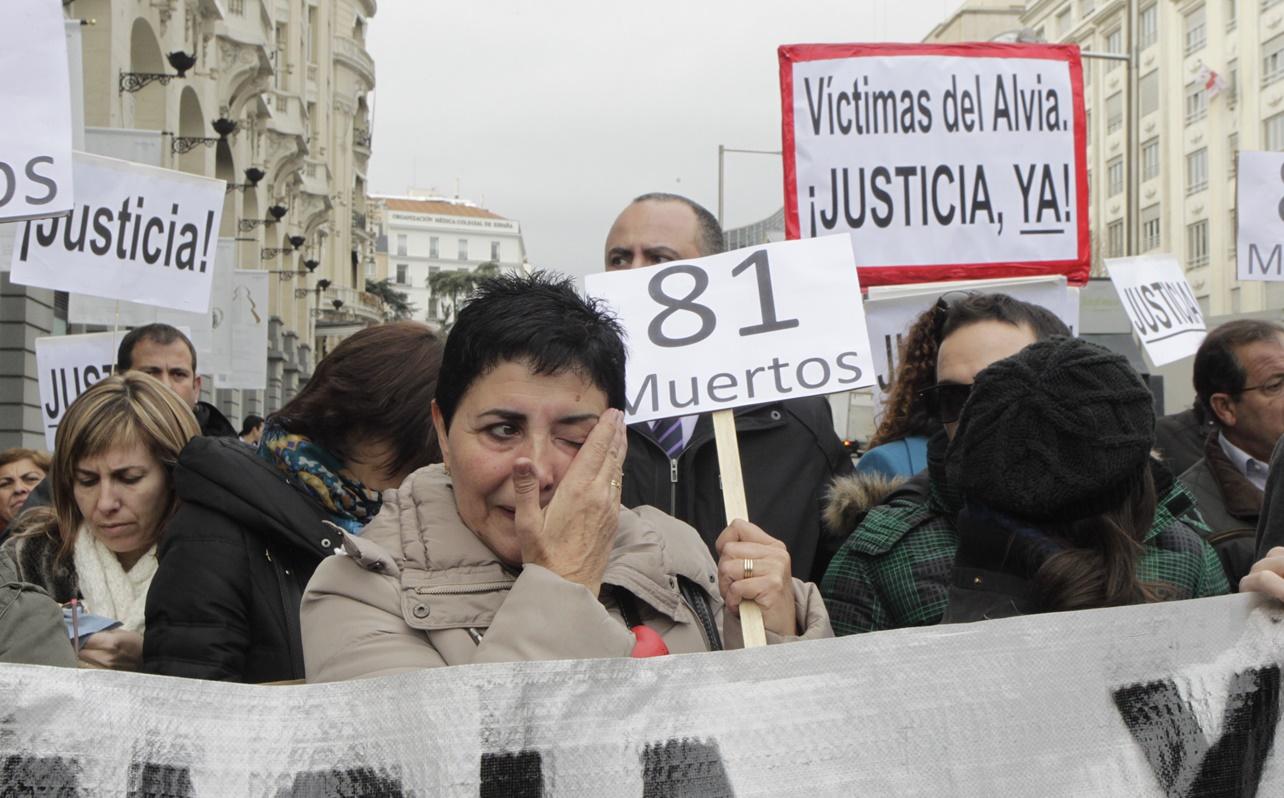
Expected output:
(944, 401)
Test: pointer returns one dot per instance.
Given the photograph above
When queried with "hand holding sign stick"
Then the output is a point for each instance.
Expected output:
(733, 500)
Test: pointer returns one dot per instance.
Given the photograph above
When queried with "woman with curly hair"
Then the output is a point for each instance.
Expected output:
(899, 447)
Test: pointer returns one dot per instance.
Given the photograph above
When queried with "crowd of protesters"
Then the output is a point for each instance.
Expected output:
(427, 501)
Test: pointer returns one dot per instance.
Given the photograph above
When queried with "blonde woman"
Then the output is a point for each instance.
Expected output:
(112, 493)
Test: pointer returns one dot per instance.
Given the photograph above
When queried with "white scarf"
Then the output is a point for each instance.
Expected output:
(108, 589)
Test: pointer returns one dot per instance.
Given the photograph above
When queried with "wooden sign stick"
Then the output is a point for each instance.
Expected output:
(733, 501)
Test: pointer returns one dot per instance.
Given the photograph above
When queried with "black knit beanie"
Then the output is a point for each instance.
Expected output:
(1058, 432)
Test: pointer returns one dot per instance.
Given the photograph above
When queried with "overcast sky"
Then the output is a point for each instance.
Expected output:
(557, 112)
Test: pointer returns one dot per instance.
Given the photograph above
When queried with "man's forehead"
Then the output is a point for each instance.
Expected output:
(656, 223)
(174, 354)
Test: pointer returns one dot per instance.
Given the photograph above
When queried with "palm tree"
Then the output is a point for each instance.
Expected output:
(455, 285)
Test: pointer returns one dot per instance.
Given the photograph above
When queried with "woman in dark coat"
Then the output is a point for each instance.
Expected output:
(252, 527)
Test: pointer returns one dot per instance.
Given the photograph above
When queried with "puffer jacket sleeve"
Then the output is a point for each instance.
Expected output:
(546, 617)
(32, 631)
(198, 602)
(353, 628)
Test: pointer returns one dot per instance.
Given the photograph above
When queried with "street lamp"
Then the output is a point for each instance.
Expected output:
(722, 151)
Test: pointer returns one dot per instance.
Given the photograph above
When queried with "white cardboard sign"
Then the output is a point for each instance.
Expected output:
(83, 309)
(1171, 699)
(1159, 303)
(240, 328)
(67, 365)
(136, 233)
(889, 312)
(35, 104)
(1260, 238)
(779, 321)
(943, 162)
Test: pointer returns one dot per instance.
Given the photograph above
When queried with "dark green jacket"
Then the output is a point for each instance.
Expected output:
(31, 627)
(894, 570)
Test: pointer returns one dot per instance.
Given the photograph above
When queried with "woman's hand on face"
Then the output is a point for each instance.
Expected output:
(1266, 575)
(771, 584)
(115, 649)
(573, 536)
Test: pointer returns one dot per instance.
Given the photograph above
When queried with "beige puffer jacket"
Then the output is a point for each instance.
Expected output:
(419, 590)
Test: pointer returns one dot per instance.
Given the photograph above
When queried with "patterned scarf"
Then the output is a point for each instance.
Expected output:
(320, 474)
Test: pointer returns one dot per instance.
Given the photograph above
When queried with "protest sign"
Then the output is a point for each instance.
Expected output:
(1260, 209)
(1159, 303)
(66, 366)
(1143, 701)
(943, 162)
(35, 102)
(82, 309)
(240, 328)
(136, 233)
(780, 321)
(889, 312)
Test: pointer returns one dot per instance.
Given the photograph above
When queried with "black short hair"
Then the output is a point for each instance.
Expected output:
(711, 241)
(251, 421)
(962, 309)
(1217, 369)
(539, 319)
(163, 334)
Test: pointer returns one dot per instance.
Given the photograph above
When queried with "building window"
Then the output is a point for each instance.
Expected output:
(1231, 13)
(1273, 59)
(282, 66)
(1063, 22)
(401, 243)
(433, 308)
(236, 7)
(1273, 132)
(1197, 170)
(463, 249)
(1150, 159)
(401, 273)
(1150, 228)
(1087, 126)
(1232, 82)
(1197, 244)
(1196, 102)
(1148, 93)
(494, 251)
(1234, 225)
(1114, 44)
(1114, 112)
(1196, 30)
(1148, 26)
(432, 247)
(1115, 239)
(1232, 153)
(1114, 177)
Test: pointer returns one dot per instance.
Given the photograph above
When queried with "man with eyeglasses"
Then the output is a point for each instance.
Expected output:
(894, 570)
(1239, 380)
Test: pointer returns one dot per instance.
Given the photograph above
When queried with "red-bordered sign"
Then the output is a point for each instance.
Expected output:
(1036, 232)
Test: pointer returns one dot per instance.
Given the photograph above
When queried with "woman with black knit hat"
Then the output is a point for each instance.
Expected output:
(1052, 460)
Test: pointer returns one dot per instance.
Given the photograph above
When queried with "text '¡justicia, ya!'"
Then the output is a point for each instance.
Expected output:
(127, 233)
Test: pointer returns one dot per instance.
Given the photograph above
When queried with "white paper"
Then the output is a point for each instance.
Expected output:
(66, 366)
(241, 329)
(1163, 310)
(136, 233)
(1260, 203)
(914, 192)
(816, 344)
(35, 104)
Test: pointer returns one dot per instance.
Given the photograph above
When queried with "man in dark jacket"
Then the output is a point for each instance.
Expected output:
(1270, 525)
(788, 449)
(1180, 437)
(1239, 379)
(163, 352)
(235, 559)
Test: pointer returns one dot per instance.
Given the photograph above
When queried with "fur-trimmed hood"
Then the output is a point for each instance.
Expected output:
(849, 498)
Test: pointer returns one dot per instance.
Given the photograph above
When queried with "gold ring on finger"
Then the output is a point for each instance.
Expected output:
(615, 483)
(748, 568)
